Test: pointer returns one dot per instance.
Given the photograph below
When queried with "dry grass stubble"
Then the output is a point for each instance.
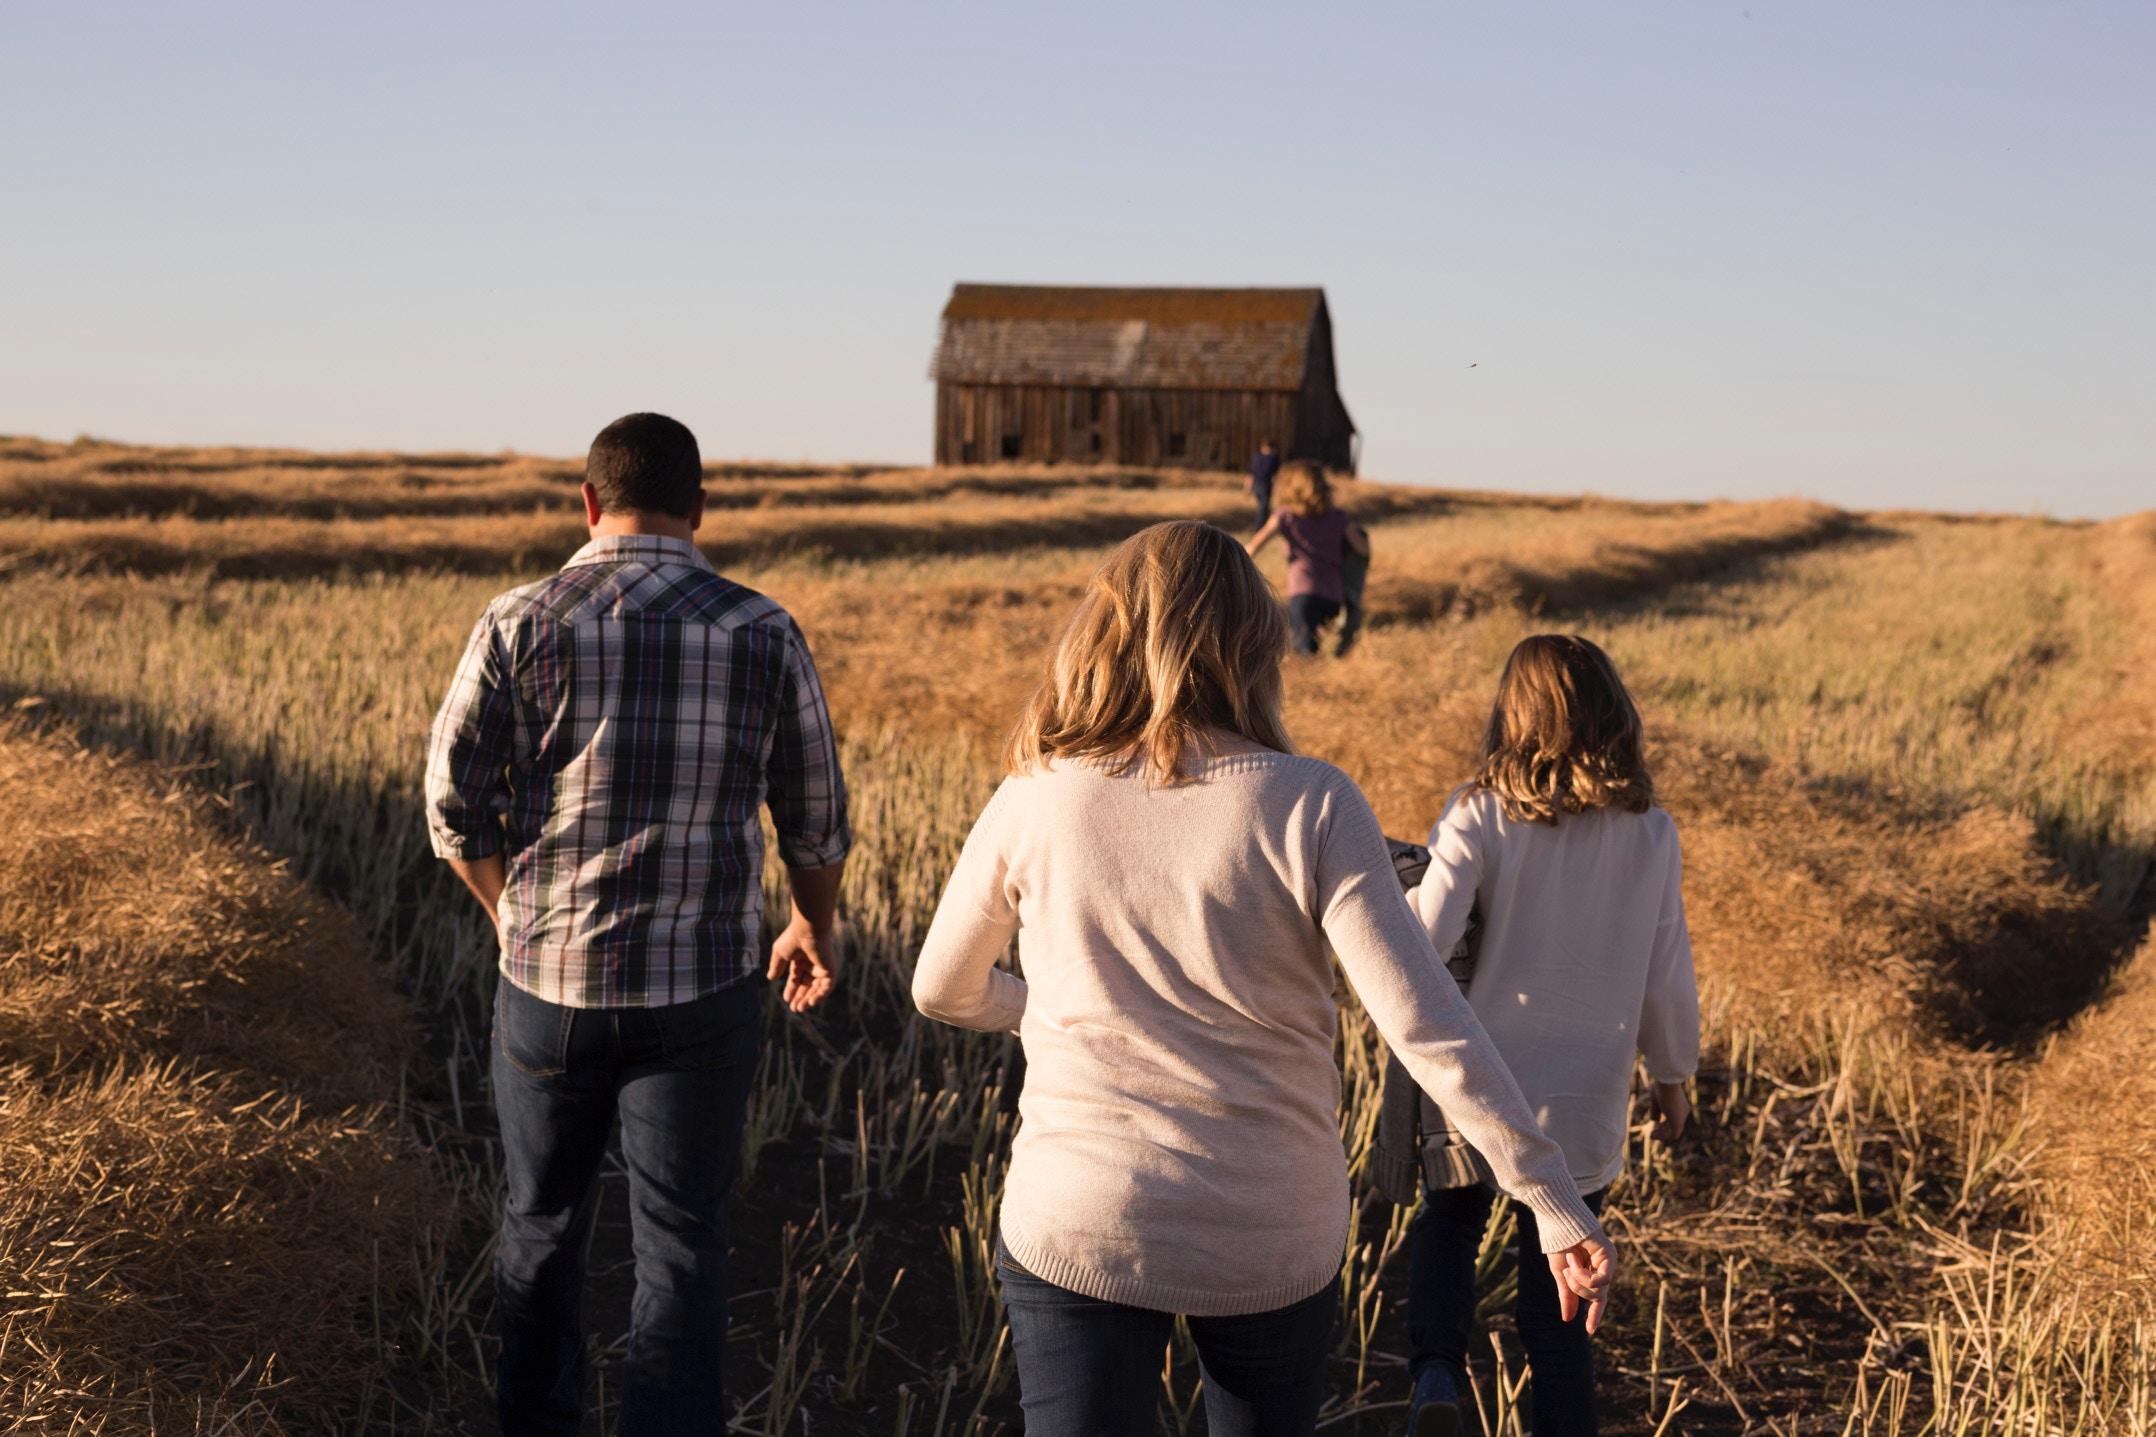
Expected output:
(209, 1214)
(1851, 1144)
(2095, 1093)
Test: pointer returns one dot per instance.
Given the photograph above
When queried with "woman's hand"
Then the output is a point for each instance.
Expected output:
(1584, 1273)
(1672, 1110)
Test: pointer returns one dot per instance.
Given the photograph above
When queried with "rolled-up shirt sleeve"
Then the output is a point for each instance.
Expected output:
(469, 748)
(807, 790)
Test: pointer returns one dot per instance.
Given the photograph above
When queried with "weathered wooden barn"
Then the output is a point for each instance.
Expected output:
(1196, 378)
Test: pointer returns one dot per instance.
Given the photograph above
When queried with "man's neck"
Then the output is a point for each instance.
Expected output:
(655, 526)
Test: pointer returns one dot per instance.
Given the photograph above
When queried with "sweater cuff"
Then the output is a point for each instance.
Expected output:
(1563, 1221)
(1394, 1176)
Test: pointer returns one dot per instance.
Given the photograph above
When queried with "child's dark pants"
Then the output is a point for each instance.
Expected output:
(1442, 1245)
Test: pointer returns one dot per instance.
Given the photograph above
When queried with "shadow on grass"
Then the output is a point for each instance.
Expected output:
(800, 1220)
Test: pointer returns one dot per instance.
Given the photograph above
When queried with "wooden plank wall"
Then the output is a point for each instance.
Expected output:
(1324, 430)
(1053, 424)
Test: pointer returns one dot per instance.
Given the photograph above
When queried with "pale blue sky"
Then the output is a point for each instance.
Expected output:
(1881, 254)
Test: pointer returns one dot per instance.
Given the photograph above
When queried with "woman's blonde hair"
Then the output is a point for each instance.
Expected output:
(1176, 633)
(1303, 488)
(1564, 735)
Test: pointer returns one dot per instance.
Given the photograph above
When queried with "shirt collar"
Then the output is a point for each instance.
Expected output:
(649, 548)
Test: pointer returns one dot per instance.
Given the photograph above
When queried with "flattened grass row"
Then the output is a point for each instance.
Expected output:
(214, 1217)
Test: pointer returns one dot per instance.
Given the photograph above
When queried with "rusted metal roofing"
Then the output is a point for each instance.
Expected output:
(1127, 338)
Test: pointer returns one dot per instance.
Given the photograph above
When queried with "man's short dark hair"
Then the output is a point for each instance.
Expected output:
(646, 464)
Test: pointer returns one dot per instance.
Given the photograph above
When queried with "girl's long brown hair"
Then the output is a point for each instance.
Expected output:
(1177, 633)
(1304, 489)
(1564, 736)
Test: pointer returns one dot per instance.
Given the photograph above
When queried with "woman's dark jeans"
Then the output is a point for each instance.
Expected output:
(1307, 613)
(1088, 1368)
(1447, 1234)
(679, 1077)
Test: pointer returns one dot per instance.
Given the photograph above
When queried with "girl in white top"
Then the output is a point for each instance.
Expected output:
(1179, 881)
(1582, 966)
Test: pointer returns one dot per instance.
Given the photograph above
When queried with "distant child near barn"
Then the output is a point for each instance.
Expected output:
(1259, 483)
(1324, 544)
(1559, 862)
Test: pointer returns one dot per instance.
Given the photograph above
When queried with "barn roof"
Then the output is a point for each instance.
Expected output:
(1127, 338)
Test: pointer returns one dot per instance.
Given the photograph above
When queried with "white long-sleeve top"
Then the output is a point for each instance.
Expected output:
(1583, 961)
(1179, 1143)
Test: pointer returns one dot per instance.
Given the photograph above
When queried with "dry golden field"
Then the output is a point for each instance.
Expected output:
(1912, 757)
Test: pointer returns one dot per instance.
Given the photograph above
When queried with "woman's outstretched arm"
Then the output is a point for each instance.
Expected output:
(1264, 536)
(956, 980)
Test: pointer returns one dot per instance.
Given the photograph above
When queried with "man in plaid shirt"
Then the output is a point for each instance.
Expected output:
(595, 776)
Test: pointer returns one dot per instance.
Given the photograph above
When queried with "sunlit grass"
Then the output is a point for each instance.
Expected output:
(1847, 726)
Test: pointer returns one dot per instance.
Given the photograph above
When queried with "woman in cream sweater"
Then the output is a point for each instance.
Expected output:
(1178, 880)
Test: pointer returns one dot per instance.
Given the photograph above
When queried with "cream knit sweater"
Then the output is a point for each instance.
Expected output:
(1179, 1145)
(1584, 960)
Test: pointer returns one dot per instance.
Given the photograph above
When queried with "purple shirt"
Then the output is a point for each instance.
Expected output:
(1315, 549)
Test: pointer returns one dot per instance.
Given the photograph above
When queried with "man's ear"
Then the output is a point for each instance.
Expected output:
(696, 513)
(592, 507)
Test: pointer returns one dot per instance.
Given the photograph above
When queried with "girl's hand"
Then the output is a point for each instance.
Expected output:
(1672, 1110)
(1584, 1273)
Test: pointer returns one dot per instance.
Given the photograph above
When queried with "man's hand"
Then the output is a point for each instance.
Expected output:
(1584, 1273)
(808, 962)
(805, 956)
(1672, 1110)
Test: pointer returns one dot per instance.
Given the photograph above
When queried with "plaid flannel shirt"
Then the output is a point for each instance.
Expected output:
(613, 731)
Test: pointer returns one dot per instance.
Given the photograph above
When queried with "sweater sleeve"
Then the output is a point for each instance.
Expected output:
(1446, 896)
(1419, 1011)
(1669, 1018)
(956, 980)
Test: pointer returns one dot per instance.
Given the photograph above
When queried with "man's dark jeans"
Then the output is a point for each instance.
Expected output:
(679, 1077)
(1442, 1245)
(1088, 1368)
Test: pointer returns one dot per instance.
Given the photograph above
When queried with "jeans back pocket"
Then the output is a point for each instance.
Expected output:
(533, 1033)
